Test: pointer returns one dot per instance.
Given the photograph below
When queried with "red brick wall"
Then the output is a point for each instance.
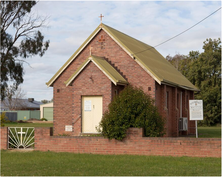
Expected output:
(4, 137)
(135, 143)
(90, 82)
(172, 113)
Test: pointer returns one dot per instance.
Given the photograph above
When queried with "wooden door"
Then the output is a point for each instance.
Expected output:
(91, 113)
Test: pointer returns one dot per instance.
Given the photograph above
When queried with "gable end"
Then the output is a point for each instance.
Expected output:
(68, 62)
(104, 66)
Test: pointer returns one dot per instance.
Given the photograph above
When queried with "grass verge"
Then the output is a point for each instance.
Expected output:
(37, 163)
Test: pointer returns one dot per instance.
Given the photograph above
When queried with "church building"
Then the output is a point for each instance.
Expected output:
(101, 67)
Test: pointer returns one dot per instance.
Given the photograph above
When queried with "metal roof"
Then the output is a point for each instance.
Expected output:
(104, 66)
(21, 103)
(146, 56)
(152, 61)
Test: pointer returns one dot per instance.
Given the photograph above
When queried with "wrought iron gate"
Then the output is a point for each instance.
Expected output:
(21, 137)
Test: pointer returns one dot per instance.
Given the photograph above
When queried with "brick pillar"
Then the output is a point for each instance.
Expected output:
(135, 133)
(175, 113)
(165, 111)
(4, 137)
(186, 110)
(42, 137)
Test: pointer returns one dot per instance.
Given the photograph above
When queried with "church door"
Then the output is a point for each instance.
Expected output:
(91, 113)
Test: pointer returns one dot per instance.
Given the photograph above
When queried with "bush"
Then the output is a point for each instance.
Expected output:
(44, 119)
(132, 108)
(4, 119)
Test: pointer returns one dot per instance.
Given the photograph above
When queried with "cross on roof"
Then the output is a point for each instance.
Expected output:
(90, 50)
(101, 17)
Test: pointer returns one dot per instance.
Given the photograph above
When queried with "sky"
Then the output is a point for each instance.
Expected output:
(69, 23)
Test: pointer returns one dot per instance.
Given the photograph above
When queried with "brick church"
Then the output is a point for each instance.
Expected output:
(101, 67)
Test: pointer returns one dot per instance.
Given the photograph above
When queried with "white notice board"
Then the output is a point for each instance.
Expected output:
(68, 128)
(196, 109)
(87, 105)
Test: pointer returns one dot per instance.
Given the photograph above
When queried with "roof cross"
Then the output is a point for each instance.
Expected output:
(90, 50)
(101, 17)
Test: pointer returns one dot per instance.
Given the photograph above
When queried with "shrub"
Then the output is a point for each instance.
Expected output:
(4, 119)
(131, 108)
(44, 119)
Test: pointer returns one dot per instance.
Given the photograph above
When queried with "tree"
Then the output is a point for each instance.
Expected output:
(20, 39)
(45, 101)
(204, 71)
(131, 108)
(176, 60)
(15, 99)
(207, 76)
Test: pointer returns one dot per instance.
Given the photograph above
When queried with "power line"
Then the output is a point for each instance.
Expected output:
(178, 34)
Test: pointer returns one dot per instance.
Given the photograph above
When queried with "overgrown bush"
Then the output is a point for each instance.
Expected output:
(131, 108)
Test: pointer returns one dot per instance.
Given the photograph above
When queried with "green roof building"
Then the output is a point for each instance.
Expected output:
(101, 67)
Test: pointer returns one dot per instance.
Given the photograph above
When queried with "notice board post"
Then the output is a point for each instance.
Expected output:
(196, 111)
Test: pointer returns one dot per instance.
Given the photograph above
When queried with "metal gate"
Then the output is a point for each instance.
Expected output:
(21, 137)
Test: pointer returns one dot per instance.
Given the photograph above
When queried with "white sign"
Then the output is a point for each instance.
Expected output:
(68, 128)
(87, 105)
(196, 109)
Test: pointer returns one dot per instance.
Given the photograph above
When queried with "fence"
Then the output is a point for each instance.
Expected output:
(21, 137)
(134, 143)
(12, 116)
(22, 115)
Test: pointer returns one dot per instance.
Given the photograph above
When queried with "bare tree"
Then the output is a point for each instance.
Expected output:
(175, 60)
(15, 99)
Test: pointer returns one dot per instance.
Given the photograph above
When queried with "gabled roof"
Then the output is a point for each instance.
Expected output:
(104, 66)
(150, 59)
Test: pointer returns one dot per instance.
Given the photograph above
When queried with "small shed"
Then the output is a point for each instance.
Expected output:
(47, 111)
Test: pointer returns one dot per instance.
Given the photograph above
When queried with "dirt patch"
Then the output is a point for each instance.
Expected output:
(21, 150)
(21, 121)
(45, 122)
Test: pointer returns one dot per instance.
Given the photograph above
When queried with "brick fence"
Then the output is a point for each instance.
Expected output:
(135, 143)
(4, 137)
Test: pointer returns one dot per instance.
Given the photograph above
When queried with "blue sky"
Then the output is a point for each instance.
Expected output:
(153, 22)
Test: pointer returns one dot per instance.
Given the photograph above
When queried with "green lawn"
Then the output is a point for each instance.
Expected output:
(38, 163)
(15, 124)
(209, 132)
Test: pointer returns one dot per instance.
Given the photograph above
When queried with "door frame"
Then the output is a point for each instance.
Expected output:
(82, 109)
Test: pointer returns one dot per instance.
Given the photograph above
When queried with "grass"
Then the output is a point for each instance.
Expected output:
(15, 124)
(38, 163)
(209, 132)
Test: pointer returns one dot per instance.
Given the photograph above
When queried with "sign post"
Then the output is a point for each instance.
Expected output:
(196, 128)
(196, 111)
